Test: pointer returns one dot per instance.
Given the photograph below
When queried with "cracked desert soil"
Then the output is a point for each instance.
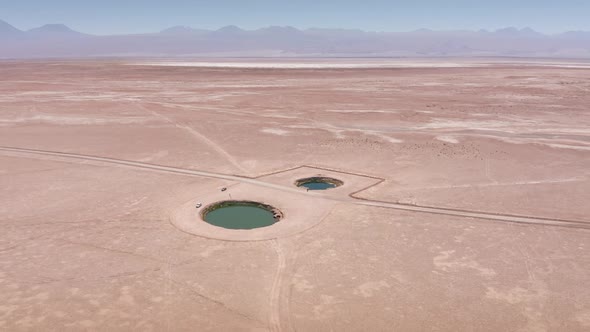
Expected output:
(92, 244)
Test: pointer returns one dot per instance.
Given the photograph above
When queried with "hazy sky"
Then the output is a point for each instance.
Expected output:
(132, 16)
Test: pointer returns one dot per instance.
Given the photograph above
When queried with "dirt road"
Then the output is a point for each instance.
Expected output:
(352, 200)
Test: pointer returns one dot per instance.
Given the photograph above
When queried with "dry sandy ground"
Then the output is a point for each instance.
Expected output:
(99, 245)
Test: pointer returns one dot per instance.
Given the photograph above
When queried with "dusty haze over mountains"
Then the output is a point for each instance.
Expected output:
(58, 40)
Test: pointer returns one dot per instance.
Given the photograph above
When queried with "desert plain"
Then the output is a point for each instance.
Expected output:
(465, 204)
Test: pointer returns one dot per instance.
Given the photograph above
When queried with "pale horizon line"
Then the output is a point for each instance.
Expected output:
(423, 29)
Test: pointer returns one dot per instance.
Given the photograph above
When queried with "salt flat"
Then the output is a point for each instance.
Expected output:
(464, 204)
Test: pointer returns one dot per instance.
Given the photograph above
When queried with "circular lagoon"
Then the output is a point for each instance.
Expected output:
(241, 215)
(318, 183)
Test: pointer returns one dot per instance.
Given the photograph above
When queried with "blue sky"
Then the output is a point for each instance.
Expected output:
(135, 16)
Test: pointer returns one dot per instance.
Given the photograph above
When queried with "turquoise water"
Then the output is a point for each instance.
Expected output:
(318, 185)
(240, 217)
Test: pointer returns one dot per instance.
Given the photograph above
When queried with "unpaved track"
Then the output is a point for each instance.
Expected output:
(216, 147)
(275, 294)
(352, 200)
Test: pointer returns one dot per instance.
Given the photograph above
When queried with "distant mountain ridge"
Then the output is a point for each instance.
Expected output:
(7, 30)
(58, 40)
(54, 31)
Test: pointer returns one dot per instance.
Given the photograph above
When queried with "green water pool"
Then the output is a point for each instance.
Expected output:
(240, 216)
(318, 185)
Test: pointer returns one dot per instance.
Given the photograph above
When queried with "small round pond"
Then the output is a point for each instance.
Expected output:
(241, 215)
(318, 183)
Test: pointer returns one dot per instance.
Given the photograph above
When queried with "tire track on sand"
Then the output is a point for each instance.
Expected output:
(216, 147)
(275, 293)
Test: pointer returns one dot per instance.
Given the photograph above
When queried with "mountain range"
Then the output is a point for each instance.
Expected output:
(58, 40)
